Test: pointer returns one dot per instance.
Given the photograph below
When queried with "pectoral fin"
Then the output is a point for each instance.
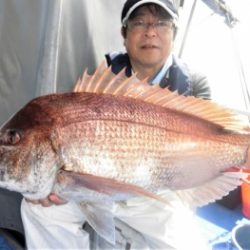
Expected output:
(107, 186)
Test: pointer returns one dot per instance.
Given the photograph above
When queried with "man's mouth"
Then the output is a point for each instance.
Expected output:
(149, 46)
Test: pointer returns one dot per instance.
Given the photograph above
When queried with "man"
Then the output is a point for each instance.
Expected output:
(148, 29)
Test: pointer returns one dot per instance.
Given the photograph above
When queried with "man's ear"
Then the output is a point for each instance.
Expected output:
(123, 32)
(174, 32)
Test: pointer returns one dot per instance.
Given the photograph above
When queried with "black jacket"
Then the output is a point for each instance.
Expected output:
(179, 77)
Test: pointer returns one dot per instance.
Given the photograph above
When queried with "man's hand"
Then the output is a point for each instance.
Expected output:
(52, 199)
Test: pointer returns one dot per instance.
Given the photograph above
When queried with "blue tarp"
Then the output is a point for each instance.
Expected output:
(4, 245)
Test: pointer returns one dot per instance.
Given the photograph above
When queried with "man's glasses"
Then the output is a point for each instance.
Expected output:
(160, 26)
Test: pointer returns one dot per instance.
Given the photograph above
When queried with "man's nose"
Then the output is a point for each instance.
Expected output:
(150, 30)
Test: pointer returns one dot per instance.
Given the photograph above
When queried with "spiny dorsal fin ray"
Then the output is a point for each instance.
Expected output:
(104, 81)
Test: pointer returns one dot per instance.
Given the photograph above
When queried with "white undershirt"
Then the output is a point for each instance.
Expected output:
(162, 72)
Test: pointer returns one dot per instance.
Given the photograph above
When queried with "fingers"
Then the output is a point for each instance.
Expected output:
(52, 199)
(32, 201)
(55, 199)
(44, 202)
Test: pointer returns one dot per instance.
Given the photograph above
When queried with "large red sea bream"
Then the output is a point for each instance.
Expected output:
(117, 138)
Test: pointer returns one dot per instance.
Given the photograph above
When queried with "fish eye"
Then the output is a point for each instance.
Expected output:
(12, 137)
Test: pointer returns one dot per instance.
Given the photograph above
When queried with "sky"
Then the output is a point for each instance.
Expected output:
(220, 52)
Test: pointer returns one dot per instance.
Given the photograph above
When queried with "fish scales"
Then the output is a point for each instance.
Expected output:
(118, 142)
(93, 106)
(143, 136)
(139, 139)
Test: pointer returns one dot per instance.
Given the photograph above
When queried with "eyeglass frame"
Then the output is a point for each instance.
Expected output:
(144, 26)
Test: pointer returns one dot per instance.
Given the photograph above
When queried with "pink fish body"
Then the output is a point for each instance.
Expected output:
(119, 138)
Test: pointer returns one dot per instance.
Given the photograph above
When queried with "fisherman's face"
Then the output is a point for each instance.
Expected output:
(149, 38)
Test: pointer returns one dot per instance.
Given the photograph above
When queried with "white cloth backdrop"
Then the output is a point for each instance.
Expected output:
(46, 45)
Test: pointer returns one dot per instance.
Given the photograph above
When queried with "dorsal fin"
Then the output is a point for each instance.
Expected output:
(104, 81)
